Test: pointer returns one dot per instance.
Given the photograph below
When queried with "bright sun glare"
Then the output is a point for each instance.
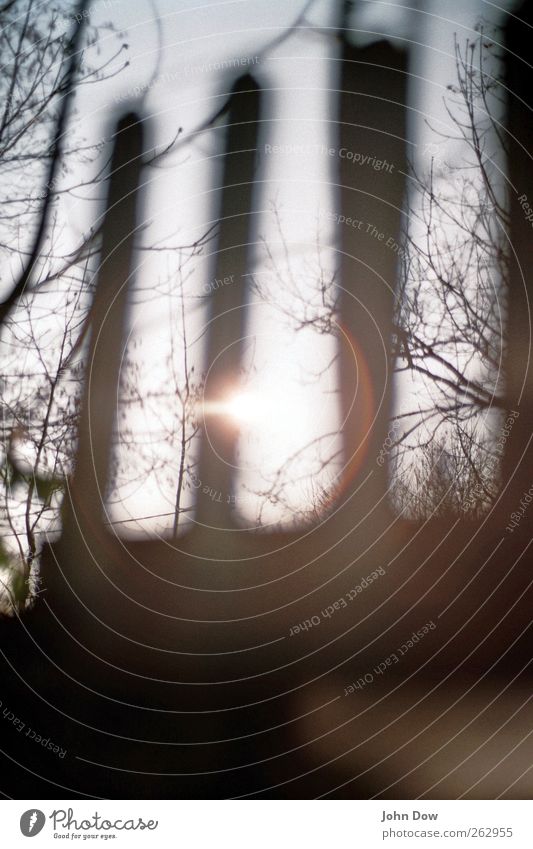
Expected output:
(246, 407)
(268, 410)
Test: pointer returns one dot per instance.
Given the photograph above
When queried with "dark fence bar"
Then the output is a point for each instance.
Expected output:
(108, 316)
(519, 372)
(227, 310)
(372, 155)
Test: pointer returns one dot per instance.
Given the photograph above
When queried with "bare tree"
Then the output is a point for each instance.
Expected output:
(159, 417)
(46, 49)
(45, 290)
(451, 304)
(39, 400)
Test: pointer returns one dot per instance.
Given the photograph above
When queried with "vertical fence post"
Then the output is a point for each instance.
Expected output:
(107, 326)
(519, 370)
(227, 305)
(372, 157)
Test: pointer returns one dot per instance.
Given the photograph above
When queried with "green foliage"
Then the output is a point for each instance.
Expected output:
(14, 583)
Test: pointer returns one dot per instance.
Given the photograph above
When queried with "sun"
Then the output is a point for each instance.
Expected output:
(245, 407)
